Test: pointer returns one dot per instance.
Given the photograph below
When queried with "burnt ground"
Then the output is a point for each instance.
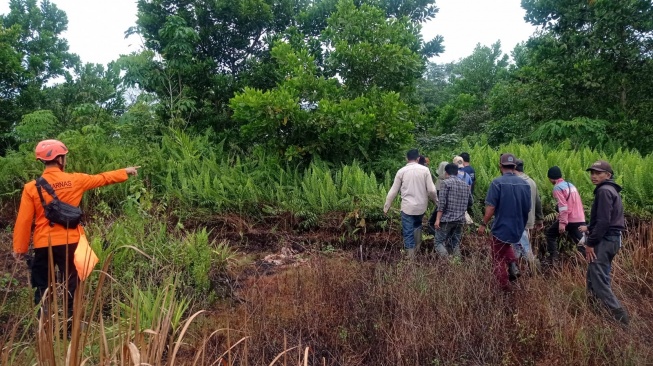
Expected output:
(259, 238)
(256, 238)
(271, 244)
(272, 235)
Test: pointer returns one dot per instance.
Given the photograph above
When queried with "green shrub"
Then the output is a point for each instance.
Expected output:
(146, 251)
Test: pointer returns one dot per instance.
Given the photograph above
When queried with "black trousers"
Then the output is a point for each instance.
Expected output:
(62, 258)
(552, 235)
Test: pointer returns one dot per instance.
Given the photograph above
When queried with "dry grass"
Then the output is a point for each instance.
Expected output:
(433, 312)
(337, 310)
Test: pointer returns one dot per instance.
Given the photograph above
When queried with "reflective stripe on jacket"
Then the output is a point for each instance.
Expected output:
(570, 205)
(70, 188)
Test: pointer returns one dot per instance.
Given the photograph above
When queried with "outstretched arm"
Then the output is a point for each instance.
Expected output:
(103, 179)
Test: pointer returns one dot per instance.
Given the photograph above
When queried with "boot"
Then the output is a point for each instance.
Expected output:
(552, 260)
(441, 251)
(513, 271)
(418, 238)
(410, 254)
(621, 316)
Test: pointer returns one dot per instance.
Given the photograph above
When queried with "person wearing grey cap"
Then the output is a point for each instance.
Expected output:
(509, 201)
(604, 239)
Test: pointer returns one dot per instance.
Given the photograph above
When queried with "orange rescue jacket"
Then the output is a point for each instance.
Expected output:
(70, 188)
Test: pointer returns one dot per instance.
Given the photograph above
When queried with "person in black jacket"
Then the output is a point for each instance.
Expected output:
(604, 239)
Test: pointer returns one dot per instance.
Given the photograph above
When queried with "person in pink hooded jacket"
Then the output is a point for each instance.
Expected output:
(571, 214)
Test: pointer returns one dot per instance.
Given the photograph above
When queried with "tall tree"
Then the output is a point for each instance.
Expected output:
(477, 73)
(201, 53)
(32, 53)
(592, 59)
(90, 87)
(462, 89)
(354, 105)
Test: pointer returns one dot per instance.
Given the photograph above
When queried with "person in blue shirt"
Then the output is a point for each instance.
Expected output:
(509, 201)
(472, 174)
(468, 168)
(462, 175)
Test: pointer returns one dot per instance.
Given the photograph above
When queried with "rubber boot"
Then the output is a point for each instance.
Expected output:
(621, 316)
(441, 251)
(418, 239)
(410, 254)
(513, 271)
(552, 260)
(456, 252)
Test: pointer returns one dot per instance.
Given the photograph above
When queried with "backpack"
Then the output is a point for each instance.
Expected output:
(56, 211)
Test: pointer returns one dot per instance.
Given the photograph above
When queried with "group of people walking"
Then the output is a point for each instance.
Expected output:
(513, 208)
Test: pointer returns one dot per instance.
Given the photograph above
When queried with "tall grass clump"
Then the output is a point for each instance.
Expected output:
(196, 174)
(146, 250)
(147, 327)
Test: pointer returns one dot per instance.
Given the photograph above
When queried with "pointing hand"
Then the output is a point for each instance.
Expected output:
(132, 170)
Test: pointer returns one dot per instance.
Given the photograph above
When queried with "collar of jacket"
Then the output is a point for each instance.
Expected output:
(609, 182)
(52, 169)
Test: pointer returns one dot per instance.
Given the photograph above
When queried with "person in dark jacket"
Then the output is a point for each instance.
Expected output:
(604, 239)
(472, 173)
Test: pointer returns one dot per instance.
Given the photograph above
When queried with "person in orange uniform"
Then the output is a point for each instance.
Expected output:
(70, 188)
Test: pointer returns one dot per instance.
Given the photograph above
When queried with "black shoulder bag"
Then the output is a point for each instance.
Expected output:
(56, 211)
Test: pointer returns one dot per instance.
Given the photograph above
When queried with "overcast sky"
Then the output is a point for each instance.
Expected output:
(464, 23)
(96, 27)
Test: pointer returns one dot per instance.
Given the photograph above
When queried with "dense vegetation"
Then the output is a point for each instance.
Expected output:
(273, 127)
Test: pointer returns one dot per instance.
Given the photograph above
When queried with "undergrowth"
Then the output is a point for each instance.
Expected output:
(333, 309)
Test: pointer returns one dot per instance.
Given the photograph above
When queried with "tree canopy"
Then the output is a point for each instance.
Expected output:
(338, 80)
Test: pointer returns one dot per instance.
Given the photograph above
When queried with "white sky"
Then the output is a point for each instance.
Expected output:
(464, 23)
(96, 27)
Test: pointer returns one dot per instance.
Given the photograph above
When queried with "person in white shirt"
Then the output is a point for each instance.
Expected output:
(416, 186)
